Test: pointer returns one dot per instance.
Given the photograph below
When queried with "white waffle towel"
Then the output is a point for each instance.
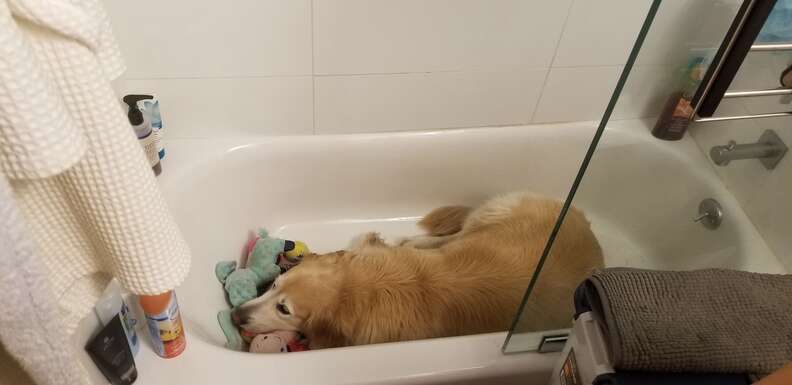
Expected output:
(79, 177)
(31, 338)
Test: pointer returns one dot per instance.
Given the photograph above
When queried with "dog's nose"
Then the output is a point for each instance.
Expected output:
(236, 318)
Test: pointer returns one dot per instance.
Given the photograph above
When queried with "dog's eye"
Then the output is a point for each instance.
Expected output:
(282, 309)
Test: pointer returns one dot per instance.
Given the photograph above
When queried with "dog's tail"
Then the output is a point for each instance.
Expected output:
(445, 220)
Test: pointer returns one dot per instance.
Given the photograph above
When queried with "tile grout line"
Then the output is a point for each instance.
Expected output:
(552, 61)
(313, 70)
(290, 76)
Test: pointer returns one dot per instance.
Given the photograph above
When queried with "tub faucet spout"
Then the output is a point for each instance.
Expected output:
(769, 150)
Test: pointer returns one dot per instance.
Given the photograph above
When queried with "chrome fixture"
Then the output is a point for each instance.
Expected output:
(554, 343)
(710, 214)
(742, 117)
(755, 93)
(771, 47)
(769, 150)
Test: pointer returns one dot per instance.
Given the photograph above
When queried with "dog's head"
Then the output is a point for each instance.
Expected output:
(306, 299)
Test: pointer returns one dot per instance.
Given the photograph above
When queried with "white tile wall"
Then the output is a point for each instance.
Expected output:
(180, 38)
(333, 66)
(646, 91)
(600, 33)
(577, 92)
(396, 36)
(682, 25)
(226, 107)
(427, 100)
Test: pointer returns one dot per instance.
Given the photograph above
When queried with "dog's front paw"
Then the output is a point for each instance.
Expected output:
(424, 242)
(366, 239)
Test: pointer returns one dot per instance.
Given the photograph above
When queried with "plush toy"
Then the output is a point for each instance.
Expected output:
(233, 337)
(259, 268)
(265, 259)
(278, 342)
(292, 257)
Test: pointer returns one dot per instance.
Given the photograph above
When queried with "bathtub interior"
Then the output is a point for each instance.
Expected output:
(325, 190)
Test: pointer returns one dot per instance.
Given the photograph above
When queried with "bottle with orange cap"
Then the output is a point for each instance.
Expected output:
(164, 323)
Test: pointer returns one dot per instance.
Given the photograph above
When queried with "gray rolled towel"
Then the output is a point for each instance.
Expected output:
(716, 321)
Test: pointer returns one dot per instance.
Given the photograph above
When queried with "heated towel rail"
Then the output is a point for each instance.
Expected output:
(739, 42)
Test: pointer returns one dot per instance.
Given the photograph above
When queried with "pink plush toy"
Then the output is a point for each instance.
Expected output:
(278, 342)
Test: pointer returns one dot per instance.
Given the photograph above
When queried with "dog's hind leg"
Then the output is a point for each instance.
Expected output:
(441, 226)
(497, 210)
(445, 221)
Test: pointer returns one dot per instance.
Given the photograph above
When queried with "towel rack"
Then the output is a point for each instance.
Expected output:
(747, 94)
(739, 41)
(771, 47)
(741, 117)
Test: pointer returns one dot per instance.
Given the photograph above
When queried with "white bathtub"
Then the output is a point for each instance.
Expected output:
(640, 196)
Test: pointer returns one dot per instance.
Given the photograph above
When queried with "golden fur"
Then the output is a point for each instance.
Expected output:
(468, 275)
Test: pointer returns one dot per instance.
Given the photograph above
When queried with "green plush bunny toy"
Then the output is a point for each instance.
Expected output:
(262, 267)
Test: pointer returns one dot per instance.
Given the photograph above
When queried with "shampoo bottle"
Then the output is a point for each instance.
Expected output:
(148, 139)
(110, 304)
(110, 352)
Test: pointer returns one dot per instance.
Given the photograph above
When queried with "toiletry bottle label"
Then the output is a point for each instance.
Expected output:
(570, 375)
(112, 303)
(110, 351)
(158, 141)
(152, 110)
(149, 144)
(129, 323)
(166, 329)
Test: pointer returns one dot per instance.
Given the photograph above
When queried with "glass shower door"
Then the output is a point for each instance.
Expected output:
(646, 198)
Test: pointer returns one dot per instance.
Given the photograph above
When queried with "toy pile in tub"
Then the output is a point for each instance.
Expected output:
(266, 258)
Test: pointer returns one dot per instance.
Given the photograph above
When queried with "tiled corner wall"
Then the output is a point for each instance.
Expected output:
(271, 67)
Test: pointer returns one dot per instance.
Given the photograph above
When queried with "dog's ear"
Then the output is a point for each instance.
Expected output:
(324, 333)
(334, 323)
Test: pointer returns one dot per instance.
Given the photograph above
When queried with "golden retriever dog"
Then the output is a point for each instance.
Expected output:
(467, 275)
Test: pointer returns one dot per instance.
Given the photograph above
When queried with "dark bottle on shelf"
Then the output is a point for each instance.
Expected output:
(675, 117)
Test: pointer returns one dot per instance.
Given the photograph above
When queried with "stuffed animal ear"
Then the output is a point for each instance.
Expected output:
(252, 237)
